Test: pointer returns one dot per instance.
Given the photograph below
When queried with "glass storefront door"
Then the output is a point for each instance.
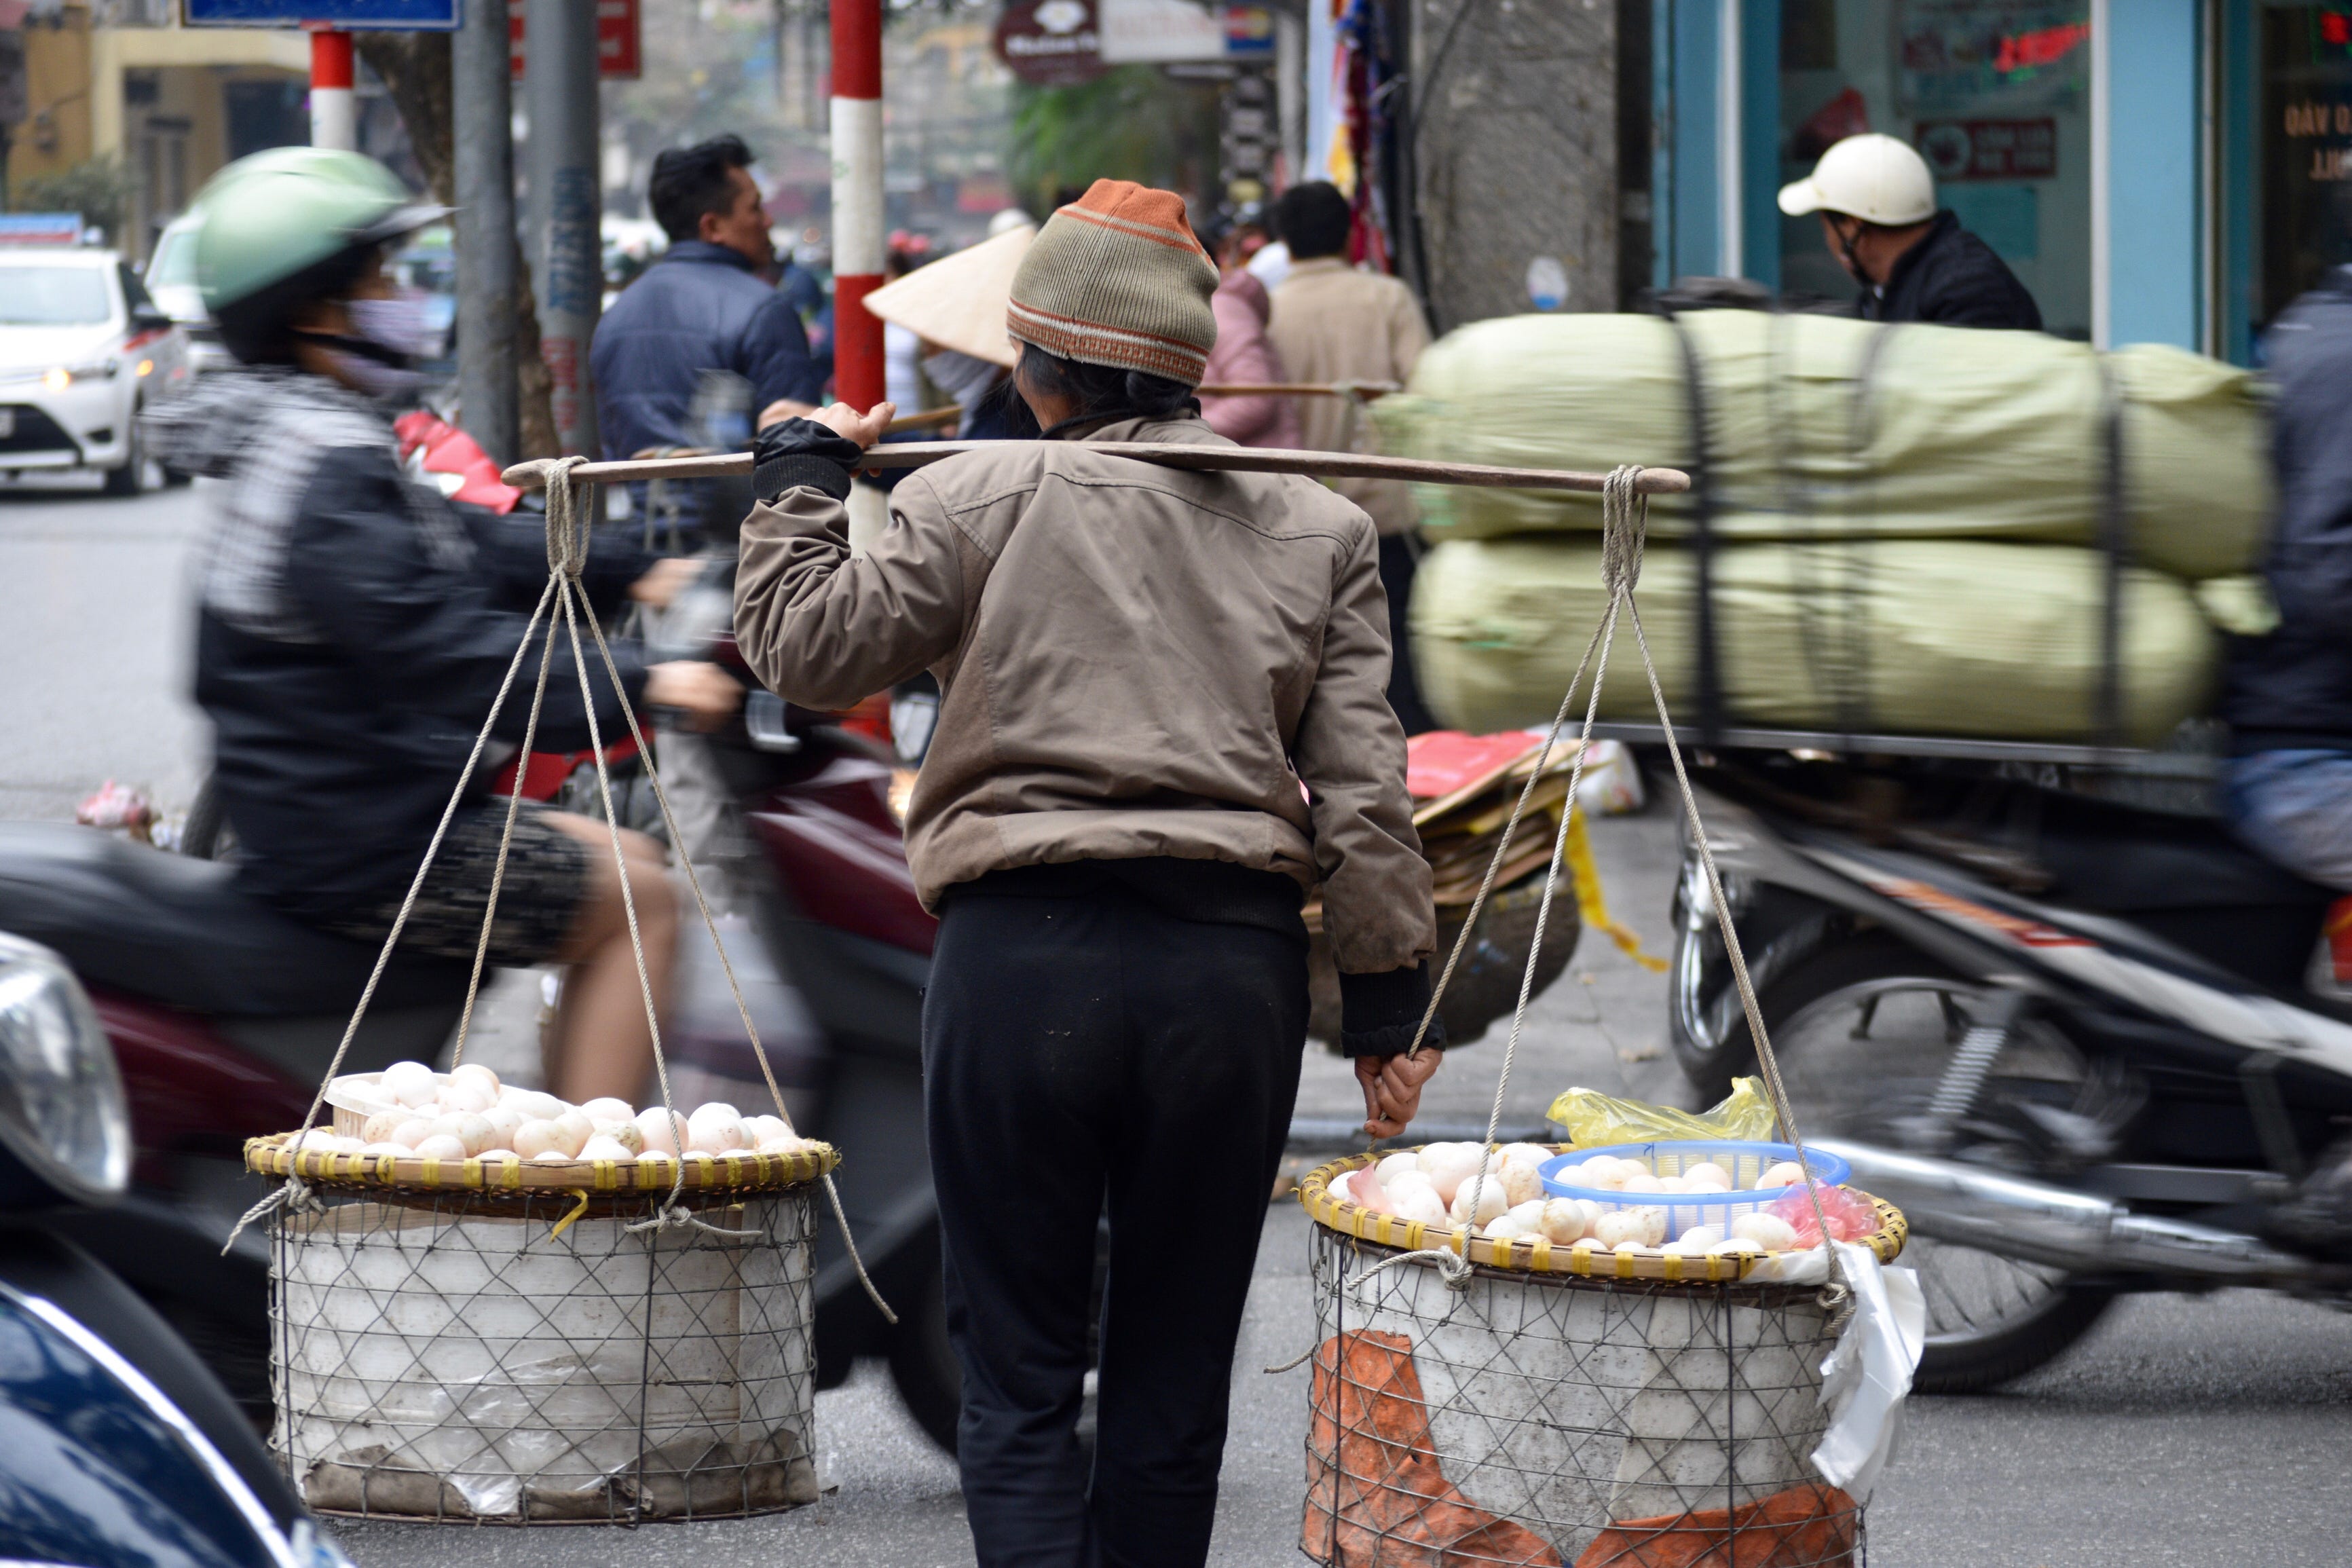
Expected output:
(2292, 168)
(1994, 93)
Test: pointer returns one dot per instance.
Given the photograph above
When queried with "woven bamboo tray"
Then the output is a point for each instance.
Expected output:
(704, 1173)
(1540, 1255)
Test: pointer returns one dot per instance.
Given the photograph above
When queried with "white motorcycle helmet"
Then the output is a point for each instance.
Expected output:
(1872, 176)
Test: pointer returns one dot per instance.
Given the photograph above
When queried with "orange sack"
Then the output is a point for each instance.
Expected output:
(1810, 1526)
(1394, 1507)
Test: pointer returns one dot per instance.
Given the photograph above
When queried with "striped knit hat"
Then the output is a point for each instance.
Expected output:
(1117, 278)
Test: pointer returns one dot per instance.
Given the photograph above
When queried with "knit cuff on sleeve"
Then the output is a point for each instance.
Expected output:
(799, 453)
(1379, 1012)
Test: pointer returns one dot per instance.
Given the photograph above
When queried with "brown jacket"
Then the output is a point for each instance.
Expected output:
(1133, 661)
(1331, 322)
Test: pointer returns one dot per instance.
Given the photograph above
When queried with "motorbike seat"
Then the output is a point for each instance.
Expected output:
(180, 931)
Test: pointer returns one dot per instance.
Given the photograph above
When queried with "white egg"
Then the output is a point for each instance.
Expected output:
(1787, 1174)
(440, 1146)
(1653, 1225)
(398, 1150)
(501, 1155)
(378, 1128)
(1673, 1184)
(536, 1106)
(1708, 1174)
(1487, 1198)
(1641, 1182)
(1699, 1238)
(572, 1129)
(533, 1139)
(1523, 1154)
(654, 1157)
(1404, 1182)
(1769, 1231)
(1602, 1173)
(1446, 1165)
(766, 1129)
(1564, 1220)
(715, 1129)
(503, 1120)
(603, 1148)
(474, 1072)
(1521, 1185)
(407, 1083)
(1394, 1165)
(787, 1144)
(1504, 1227)
(1419, 1204)
(1619, 1228)
(1736, 1246)
(658, 1130)
(627, 1134)
(549, 1157)
(412, 1131)
(463, 1094)
(472, 1131)
(609, 1110)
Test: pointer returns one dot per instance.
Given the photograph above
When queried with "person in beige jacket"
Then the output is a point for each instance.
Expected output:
(1162, 721)
(1332, 323)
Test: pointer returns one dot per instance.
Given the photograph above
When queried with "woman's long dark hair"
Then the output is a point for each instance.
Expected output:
(1103, 391)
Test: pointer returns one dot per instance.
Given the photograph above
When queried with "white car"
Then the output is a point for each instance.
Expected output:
(82, 348)
(170, 278)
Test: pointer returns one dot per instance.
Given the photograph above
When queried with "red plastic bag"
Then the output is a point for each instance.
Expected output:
(1851, 1217)
(435, 450)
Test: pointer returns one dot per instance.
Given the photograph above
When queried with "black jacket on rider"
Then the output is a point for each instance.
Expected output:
(2292, 690)
(1954, 279)
(351, 634)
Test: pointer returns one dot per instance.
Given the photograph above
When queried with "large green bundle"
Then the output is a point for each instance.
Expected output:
(1821, 426)
(1919, 636)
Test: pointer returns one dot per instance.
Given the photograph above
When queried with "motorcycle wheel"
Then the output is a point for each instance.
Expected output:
(1863, 1031)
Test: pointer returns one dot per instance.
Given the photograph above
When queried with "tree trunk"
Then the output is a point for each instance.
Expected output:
(415, 68)
(1518, 143)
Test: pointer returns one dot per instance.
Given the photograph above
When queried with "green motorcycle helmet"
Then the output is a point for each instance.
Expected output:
(289, 226)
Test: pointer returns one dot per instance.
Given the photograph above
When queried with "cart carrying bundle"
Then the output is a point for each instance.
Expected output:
(1677, 1352)
(517, 1313)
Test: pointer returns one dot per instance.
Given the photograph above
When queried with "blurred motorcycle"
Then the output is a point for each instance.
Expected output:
(2069, 1036)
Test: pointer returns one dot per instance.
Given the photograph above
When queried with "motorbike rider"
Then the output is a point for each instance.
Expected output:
(1162, 716)
(1878, 205)
(351, 632)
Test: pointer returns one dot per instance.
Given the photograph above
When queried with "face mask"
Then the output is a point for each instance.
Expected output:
(367, 374)
(395, 325)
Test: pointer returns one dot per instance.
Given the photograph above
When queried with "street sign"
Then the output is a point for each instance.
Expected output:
(620, 38)
(1050, 43)
(1174, 32)
(347, 15)
(40, 229)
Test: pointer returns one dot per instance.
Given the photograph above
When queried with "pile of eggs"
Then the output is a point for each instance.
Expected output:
(467, 1114)
(1439, 1186)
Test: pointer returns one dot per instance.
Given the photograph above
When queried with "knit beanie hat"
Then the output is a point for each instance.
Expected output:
(1116, 278)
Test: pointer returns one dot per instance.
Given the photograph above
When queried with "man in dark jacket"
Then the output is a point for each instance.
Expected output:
(2289, 696)
(706, 305)
(1878, 206)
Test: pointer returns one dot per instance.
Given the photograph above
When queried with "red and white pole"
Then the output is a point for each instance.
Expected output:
(857, 230)
(334, 112)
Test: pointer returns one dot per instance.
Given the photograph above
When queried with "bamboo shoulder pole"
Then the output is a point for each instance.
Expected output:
(1216, 459)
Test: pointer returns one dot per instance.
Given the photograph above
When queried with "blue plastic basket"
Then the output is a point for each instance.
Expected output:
(1687, 1211)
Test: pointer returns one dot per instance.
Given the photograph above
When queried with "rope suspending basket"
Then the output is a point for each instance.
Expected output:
(1514, 1367)
(613, 1331)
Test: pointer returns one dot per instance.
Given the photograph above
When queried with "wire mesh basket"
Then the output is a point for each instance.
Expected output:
(1571, 1409)
(456, 1348)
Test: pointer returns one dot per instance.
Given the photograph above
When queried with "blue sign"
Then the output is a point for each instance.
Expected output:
(40, 229)
(352, 16)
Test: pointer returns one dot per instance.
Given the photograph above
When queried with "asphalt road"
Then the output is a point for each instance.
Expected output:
(2213, 1431)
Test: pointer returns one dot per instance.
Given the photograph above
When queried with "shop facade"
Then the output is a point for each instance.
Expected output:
(2155, 171)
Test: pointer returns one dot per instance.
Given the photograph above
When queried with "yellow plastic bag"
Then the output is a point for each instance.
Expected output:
(1594, 1119)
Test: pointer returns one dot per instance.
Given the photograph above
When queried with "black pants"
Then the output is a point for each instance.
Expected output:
(1076, 1051)
(1400, 558)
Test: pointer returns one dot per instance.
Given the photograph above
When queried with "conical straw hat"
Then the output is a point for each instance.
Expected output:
(958, 301)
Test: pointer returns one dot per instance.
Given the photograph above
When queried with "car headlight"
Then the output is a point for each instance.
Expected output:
(62, 376)
(62, 1111)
